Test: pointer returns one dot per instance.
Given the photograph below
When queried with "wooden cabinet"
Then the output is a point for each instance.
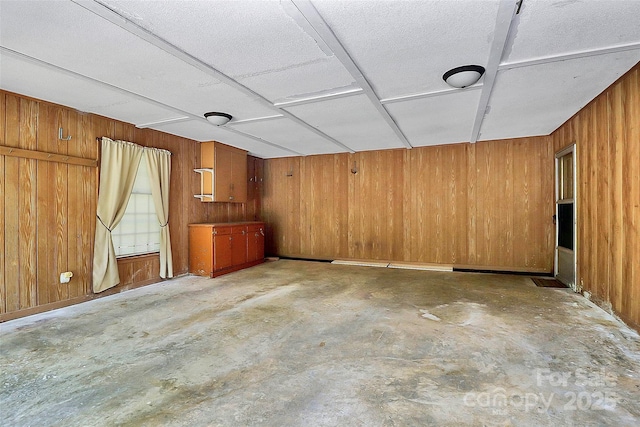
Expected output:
(255, 242)
(238, 245)
(216, 249)
(221, 250)
(223, 173)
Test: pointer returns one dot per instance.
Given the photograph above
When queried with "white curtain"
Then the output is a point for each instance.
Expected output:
(159, 166)
(118, 168)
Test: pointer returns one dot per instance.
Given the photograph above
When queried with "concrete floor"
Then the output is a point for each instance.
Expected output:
(292, 343)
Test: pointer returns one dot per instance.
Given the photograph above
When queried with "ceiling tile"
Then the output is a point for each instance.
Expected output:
(536, 100)
(297, 82)
(200, 130)
(353, 121)
(443, 119)
(141, 68)
(548, 28)
(79, 54)
(404, 47)
(30, 79)
(289, 134)
(255, 42)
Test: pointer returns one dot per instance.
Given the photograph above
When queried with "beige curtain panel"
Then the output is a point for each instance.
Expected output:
(159, 166)
(118, 167)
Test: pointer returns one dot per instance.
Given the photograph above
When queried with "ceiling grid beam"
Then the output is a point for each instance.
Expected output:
(423, 95)
(568, 56)
(116, 18)
(184, 115)
(322, 33)
(319, 98)
(506, 12)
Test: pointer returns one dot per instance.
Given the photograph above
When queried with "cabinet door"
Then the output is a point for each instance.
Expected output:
(260, 244)
(239, 177)
(222, 257)
(255, 245)
(224, 175)
(239, 245)
(200, 251)
(229, 172)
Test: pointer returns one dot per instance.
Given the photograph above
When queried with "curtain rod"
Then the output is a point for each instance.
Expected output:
(99, 139)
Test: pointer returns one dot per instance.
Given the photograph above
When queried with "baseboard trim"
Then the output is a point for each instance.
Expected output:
(466, 268)
(5, 317)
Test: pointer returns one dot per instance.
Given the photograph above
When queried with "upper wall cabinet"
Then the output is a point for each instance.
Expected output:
(223, 173)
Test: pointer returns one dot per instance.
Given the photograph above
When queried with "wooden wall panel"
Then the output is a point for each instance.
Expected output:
(487, 205)
(45, 270)
(282, 200)
(26, 205)
(513, 204)
(375, 205)
(271, 209)
(323, 208)
(86, 204)
(255, 167)
(631, 178)
(436, 214)
(12, 193)
(47, 209)
(3, 248)
(626, 96)
(607, 137)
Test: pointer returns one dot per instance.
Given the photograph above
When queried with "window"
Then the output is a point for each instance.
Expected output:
(138, 232)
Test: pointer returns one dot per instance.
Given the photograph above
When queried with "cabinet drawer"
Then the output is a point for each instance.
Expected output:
(218, 231)
(239, 229)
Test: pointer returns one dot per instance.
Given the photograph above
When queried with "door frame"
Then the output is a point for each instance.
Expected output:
(569, 149)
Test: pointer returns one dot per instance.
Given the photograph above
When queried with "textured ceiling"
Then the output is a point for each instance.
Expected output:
(313, 77)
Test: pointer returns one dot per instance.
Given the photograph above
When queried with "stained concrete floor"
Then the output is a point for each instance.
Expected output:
(293, 343)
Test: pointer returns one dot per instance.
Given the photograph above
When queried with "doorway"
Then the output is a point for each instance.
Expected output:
(565, 217)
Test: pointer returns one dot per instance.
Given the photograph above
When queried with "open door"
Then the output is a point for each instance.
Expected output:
(565, 217)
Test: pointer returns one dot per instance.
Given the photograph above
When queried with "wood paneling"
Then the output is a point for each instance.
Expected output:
(323, 208)
(255, 167)
(513, 202)
(3, 192)
(48, 204)
(607, 137)
(281, 205)
(436, 213)
(41, 155)
(488, 204)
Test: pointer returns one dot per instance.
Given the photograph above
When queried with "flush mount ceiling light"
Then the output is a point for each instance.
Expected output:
(218, 119)
(463, 76)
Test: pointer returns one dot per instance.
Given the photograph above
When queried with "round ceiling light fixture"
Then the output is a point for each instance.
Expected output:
(464, 76)
(218, 119)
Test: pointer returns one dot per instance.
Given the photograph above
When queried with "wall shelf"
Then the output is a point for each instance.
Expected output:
(207, 181)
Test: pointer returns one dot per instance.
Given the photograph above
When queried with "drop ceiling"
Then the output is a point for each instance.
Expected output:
(314, 77)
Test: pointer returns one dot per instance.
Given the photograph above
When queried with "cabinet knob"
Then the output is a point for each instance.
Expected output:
(230, 197)
(244, 232)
